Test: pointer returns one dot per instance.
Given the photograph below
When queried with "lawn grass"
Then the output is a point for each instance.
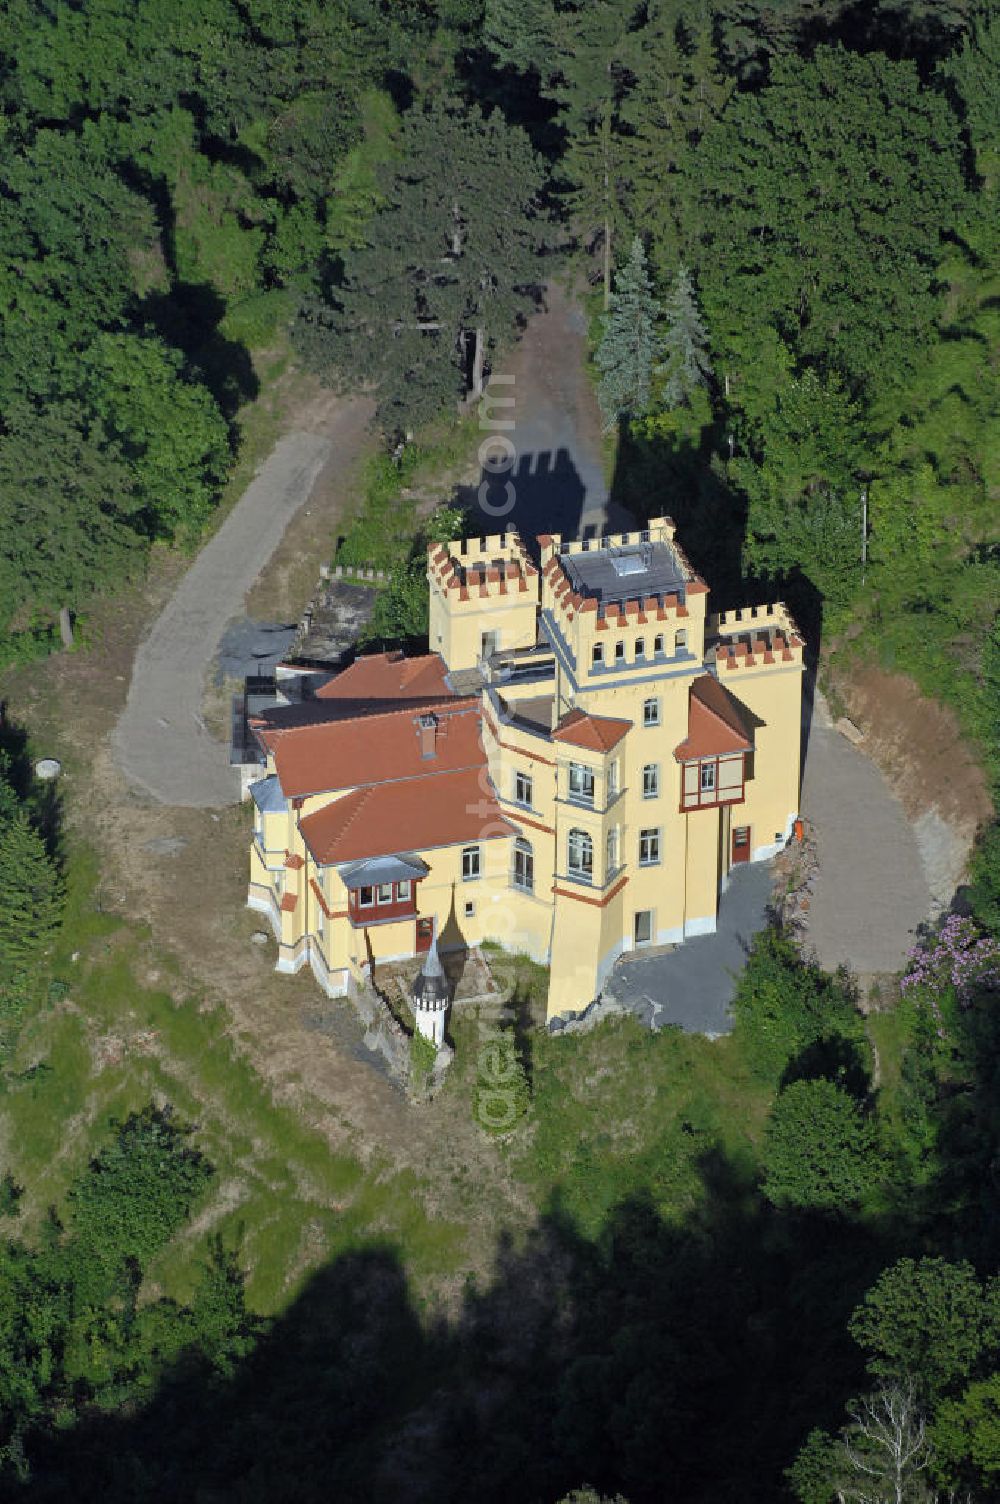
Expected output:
(105, 1044)
(620, 1111)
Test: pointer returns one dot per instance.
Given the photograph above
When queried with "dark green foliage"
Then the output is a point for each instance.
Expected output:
(451, 256)
(30, 898)
(929, 1322)
(788, 1011)
(10, 1195)
(139, 1190)
(68, 514)
(827, 198)
(821, 1149)
(629, 344)
(686, 366)
(165, 170)
(984, 884)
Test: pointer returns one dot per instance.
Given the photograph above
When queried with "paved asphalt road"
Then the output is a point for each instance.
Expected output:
(692, 987)
(870, 894)
(557, 476)
(161, 742)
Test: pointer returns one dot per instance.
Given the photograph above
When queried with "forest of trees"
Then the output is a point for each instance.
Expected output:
(784, 217)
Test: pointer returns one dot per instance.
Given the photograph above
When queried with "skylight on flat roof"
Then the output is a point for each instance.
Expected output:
(636, 561)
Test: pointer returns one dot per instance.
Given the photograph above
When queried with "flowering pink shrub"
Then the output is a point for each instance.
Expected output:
(958, 956)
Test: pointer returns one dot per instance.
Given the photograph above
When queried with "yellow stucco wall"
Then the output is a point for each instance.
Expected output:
(579, 928)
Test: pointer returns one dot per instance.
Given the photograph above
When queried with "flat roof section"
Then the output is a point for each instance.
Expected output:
(622, 573)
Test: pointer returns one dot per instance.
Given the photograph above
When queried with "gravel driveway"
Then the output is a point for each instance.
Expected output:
(161, 742)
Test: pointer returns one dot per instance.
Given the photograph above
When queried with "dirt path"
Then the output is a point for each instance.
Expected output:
(558, 482)
(161, 742)
(870, 892)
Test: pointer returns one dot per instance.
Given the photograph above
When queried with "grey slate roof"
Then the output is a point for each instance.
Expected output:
(266, 794)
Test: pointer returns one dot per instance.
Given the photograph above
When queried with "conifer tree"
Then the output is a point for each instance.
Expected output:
(685, 343)
(30, 896)
(627, 352)
(579, 53)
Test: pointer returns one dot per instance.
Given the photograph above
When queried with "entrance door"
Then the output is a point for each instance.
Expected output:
(643, 927)
(741, 843)
(425, 929)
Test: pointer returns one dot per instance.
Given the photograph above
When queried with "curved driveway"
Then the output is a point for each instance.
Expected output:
(161, 742)
(870, 892)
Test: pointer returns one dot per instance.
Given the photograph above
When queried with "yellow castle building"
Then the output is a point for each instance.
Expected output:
(571, 772)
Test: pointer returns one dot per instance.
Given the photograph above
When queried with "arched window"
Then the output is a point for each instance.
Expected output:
(680, 640)
(581, 855)
(524, 865)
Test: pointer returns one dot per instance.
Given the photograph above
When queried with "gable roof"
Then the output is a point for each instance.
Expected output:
(597, 733)
(355, 751)
(408, 816)
(389, 676)
(717, 723)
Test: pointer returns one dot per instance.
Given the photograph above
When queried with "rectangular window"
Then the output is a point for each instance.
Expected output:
(619, 652)
(650, 780)
(580, 855)
(366, 897)
(643, 926)
(658, 643)
(707, 777)
(524, 866)
(597, 654)
(470, 909)
(522, 789)
(650, 712)
(611, 853)
(640, 648)
(403, 890)
(470, 863)
(581, 783)
(649, 847)
(384, 893)
(613, 779)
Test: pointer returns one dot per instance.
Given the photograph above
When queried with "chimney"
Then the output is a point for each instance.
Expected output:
(427, 732)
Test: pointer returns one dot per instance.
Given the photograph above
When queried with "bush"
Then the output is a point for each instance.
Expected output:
(820, 1149)
(784, 1005)
(139, 1190)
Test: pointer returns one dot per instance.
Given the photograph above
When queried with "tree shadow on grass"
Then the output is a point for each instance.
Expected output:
(666, 1360)
(41, 797)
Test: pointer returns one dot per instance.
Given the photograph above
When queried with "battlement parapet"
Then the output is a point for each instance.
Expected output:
(754, 637)
(479, 568)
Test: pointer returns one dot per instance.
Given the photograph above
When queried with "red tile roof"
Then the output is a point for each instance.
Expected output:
(389, 676)
(598, 733)
(357, 750)
(415, 814)
(717, 723)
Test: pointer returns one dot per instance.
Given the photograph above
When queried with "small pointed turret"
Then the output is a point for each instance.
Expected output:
(430, 995)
